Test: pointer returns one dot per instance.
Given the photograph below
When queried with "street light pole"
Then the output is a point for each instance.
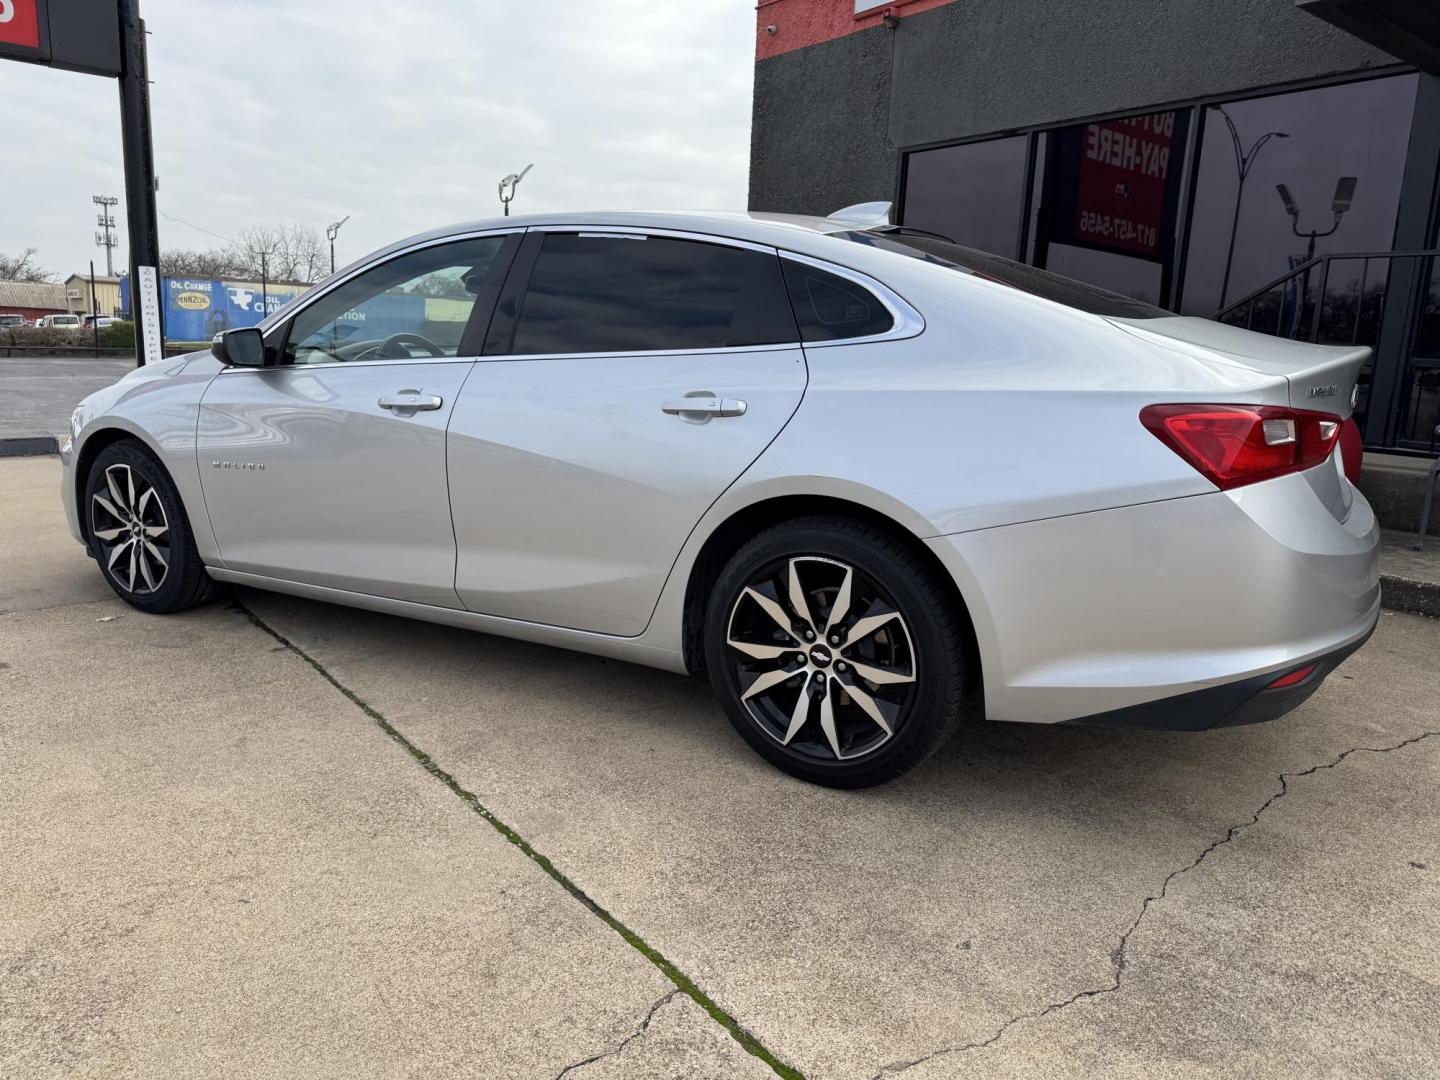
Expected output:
(1243, 162)
(332, 231)
(508, 186)
(1339, 203)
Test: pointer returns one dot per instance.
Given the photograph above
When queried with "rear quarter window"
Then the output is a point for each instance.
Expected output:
(829, 307)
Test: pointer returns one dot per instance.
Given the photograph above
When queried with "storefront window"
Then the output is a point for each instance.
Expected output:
(1338, 152)
(1110, 196)
(973, 194)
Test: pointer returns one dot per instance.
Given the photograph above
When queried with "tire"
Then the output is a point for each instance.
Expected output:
(886, 697)
(150, 559)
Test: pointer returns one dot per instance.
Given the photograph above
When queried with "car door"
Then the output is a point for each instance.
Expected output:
(328, 467)
(630, 376)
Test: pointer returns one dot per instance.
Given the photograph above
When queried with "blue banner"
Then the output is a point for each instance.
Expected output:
(196, 309)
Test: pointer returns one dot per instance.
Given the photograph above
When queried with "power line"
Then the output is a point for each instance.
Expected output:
(198, 228)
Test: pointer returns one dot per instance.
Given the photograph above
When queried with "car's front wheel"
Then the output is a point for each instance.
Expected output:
(836, 652)
(139, 532)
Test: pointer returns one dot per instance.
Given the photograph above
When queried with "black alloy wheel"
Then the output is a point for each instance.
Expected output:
(835, 651)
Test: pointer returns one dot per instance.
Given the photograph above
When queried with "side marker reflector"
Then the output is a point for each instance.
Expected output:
(1293, 678)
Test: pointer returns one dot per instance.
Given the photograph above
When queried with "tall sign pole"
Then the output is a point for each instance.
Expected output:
(140, 210)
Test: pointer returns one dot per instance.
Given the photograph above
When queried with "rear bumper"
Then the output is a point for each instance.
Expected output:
(1249, 701)
(1211, 595)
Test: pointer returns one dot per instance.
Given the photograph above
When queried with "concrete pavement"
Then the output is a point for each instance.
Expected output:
(1034, 902)
(214, 864)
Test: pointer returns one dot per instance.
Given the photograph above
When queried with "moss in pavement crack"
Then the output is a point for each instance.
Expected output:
(682, 981)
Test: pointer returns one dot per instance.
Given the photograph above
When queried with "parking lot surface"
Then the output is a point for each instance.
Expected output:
(38, 394)
(273, 837)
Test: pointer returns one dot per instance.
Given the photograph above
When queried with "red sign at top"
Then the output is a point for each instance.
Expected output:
(20, 23)
(1124, 168)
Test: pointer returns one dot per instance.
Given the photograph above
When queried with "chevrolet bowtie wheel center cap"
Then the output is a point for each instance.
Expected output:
(822, 659)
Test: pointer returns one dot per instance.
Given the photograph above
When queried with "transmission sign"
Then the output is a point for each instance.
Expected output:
(20, 23)
(77, 35)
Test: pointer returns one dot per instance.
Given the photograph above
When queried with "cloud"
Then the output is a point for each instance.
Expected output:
(403, 116)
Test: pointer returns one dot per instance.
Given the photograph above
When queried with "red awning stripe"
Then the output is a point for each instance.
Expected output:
(802, 23)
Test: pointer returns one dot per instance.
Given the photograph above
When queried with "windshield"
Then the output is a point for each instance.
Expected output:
(1030, 279)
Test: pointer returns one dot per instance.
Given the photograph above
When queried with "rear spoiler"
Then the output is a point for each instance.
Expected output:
(1320, 377)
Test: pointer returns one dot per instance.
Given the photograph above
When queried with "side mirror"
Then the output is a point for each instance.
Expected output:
(244, 347)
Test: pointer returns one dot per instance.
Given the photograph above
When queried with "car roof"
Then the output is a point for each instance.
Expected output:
(797, 232)
(739, 224)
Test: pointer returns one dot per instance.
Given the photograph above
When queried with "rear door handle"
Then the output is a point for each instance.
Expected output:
(410, 401)
(704, 406)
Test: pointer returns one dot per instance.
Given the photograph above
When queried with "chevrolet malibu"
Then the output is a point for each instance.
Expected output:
(868, 482)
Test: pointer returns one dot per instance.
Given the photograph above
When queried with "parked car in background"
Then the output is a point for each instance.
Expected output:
(9, 322)
(64, 322)
(98, 320)
(870, 483)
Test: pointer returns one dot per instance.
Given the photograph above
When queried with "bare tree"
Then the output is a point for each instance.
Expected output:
(292, 252)
(23, 267)
(217, 262)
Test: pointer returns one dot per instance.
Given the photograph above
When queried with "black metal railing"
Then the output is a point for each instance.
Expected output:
(1303, 305)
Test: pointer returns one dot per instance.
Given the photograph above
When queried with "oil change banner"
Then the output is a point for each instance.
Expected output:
(1115, 185)
(196, 309)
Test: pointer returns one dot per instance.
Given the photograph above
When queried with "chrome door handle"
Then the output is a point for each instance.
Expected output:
(410, 400)
(704, 406)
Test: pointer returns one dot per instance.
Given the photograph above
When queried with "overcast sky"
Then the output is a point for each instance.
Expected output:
(402, 115)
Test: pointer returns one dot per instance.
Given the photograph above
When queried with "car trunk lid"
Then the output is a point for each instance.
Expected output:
(1320, 377)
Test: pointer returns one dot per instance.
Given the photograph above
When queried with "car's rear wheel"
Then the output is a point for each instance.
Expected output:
(139, 532)
(836, 651)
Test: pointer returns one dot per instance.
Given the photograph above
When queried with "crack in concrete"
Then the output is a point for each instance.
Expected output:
(644, 1025)
(1118, 955)
(683, 983)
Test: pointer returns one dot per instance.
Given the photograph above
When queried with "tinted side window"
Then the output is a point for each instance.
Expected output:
(612, 293)
(830, 308)
(413, 307)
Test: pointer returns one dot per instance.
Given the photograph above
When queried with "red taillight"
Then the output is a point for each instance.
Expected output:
(1241, 444)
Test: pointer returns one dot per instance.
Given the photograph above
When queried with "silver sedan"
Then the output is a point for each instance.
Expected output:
(868, 482)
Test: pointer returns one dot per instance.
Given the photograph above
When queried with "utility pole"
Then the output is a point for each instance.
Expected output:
(332, 231)
(106, 223)
(98, 37)
(140, 210)
(264, 284)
